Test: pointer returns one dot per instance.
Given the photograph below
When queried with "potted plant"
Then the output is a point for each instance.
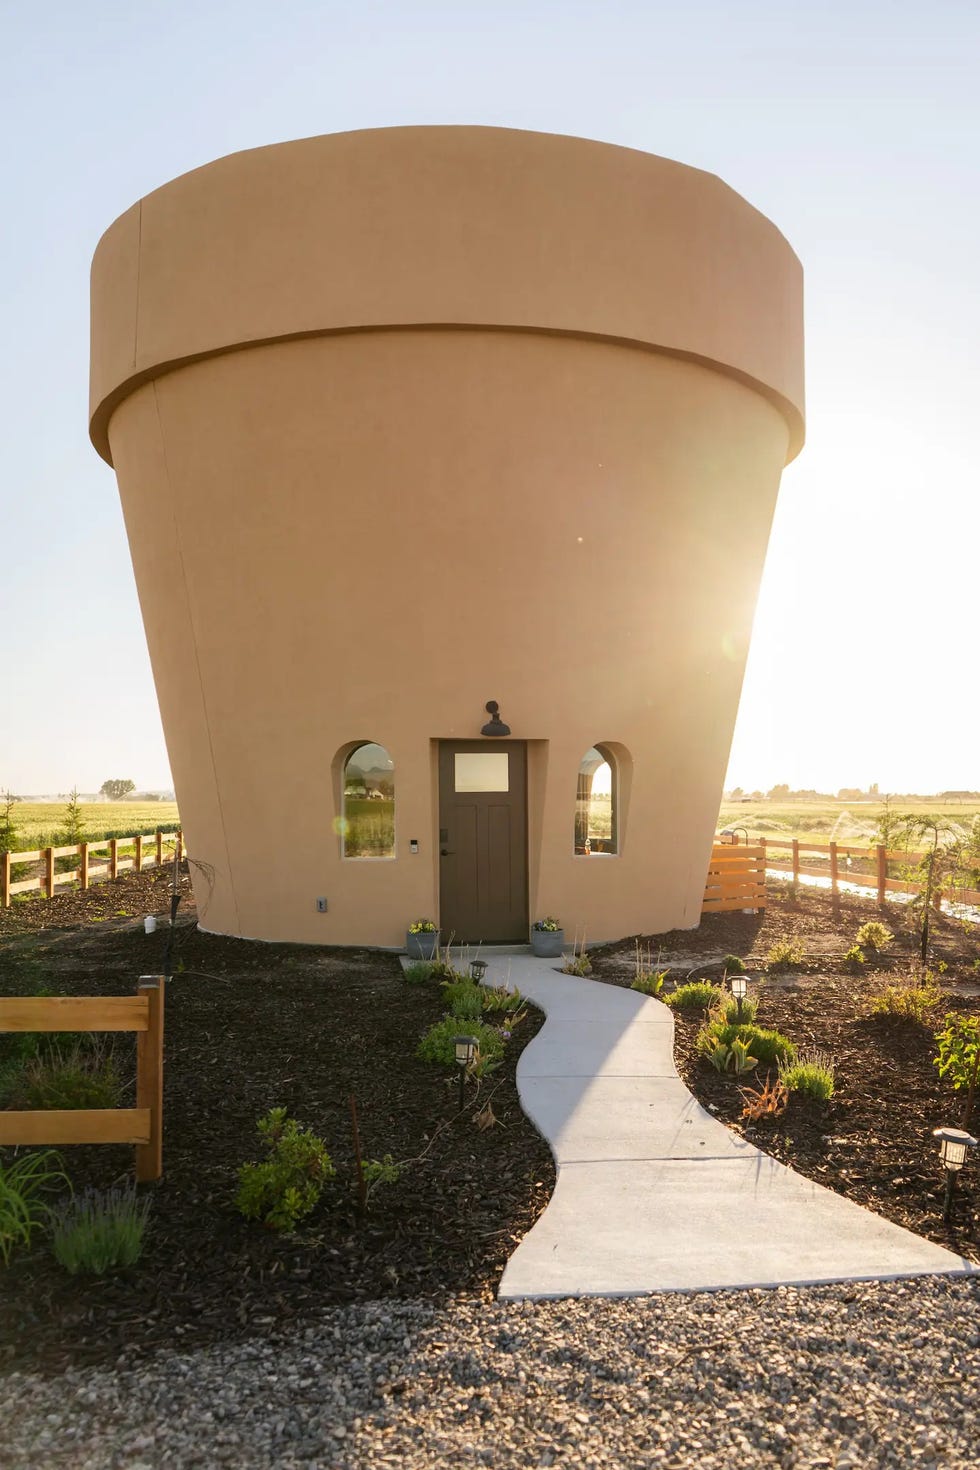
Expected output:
(422, 939)
(547, 938)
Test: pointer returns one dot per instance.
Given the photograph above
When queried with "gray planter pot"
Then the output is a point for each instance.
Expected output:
(547, 944)
(422, 946)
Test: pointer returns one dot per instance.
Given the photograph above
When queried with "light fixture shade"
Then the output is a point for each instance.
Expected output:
(478, 968)
(465, 1048)
(953, 1144)
(740, 986)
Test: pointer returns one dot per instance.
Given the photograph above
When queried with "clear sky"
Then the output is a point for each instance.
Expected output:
(854, 125)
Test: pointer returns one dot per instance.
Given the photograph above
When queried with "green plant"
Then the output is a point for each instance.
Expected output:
(286, 1187)
(874, 936)
(646, 977)
(811, 1074)
(439, 1043)
(77, 1074)
(501, 998)
(464, 999)
(958, 1058)
(381, 1171)
(766, 1046)
(418, 974)
(99, 1230)
(785, 954)
(909, 1000)
(23, 1185)
(8, 828)
(854, 959)
(733, 965)
(422, 926)
(741, 1012)
(546, 926)
(695, 995)
(650, 984)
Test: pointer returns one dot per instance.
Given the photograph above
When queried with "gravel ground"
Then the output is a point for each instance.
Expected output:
(838, 1376)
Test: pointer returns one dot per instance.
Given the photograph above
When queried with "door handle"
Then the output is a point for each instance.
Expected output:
(445, 852)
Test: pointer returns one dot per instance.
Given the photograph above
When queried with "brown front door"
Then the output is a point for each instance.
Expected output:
(483, 841)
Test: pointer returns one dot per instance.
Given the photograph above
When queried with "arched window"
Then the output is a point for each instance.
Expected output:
(595, 803)
(368, 820)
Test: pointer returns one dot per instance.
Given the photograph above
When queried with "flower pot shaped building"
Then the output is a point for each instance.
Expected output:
(412, 421)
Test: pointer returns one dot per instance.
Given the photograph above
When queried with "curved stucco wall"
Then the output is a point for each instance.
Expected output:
(361, 525)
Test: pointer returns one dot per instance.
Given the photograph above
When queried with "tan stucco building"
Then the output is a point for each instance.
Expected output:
(410, 420)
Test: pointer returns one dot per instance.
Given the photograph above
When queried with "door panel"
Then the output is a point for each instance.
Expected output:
(483, 846)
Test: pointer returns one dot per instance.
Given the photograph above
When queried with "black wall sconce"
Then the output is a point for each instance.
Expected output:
(495, 725)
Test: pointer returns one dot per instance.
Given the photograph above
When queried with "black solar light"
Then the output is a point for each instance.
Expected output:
(953, 1144)
(466, 1049)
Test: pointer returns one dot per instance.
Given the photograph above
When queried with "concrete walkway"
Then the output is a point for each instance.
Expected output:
(653, 1193)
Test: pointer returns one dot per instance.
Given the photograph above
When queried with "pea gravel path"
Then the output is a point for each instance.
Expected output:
(879, 1374)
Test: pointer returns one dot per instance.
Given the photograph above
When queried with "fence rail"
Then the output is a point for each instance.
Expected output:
(828, 862)
(147, 852)
(141, 1126)
(736, 879)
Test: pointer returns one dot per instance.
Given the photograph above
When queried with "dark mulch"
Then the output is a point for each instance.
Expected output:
(873, 1141)
(250, 1026)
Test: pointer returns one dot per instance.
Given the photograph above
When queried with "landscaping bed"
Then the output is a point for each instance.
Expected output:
(872, 1141)
(251, 1026)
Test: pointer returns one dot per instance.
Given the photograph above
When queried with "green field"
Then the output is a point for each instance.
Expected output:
(40, 824)
(834, 821)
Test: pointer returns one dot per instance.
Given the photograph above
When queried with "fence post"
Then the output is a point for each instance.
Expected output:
(4, 880)
(882, 875)
(180, 846)
(796, 860)
(49, 871)
(138, 853)
(83, 870)
(113, 858)
(159, 848)
(149, 1079)
(833, 870)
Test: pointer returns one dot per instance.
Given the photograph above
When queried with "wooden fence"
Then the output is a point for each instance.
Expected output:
(147, 849)
(736, 878)
(142, 1125)
(836, 861)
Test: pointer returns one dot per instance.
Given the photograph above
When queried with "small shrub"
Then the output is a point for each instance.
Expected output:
(286, 1187)
(874, 935)
(418, 974)
(464, 1000)
(651, 983)
(579, 964)
(785, 954)
(23, 1185)
(82, 1075)
(812, 1075)
(764, 1102)
(648, 978)
(500, 998)
(439, 1042)
(908, 1001)
(381, 1171)
(769, 1047)
(854, 959)
(99, 1230)
(959, 1052)
(421, 926)
(695, 995)
(729, 1010)
(546, 926)
(733, 965)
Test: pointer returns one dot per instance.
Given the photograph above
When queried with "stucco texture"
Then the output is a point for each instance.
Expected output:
(411, 419)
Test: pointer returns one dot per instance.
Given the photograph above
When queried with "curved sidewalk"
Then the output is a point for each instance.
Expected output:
(653, 1193)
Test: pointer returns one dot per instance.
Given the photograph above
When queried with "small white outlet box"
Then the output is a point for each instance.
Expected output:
(321, 905)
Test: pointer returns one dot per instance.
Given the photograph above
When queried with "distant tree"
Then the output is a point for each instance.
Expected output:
(116, 790)
(736, 794)
(8, 832)
(779, 793)
(73, 826)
